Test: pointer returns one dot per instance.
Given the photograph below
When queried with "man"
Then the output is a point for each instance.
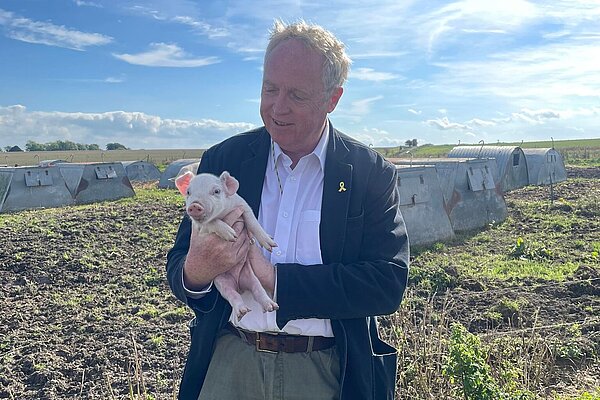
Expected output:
(331, 204)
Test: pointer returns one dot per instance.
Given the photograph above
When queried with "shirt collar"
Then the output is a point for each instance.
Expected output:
(320, 150)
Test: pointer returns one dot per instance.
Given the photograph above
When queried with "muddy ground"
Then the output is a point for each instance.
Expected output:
(85, 311)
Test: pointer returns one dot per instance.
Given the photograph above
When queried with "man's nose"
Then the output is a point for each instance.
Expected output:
(281, 103)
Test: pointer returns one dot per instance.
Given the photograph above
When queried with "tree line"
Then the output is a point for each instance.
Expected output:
(63, 145)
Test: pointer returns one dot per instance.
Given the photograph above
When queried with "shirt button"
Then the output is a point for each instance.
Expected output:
(285, 214)
(278, 252)
(293, 178)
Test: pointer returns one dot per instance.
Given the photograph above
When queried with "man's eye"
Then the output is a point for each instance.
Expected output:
(297, 97)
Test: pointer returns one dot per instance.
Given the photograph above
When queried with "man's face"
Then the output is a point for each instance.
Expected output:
(293, 103)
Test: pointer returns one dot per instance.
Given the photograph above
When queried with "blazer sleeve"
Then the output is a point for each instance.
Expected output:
(373, 282)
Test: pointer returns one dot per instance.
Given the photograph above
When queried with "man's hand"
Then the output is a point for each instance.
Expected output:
(210, 255)
(263, 269)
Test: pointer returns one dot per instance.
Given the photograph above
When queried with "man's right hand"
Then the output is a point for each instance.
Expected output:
(209, 255)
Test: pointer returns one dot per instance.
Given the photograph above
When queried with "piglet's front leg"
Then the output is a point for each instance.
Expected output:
(221, 229)
(256, 230)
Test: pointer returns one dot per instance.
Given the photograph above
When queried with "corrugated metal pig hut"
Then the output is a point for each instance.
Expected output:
(545, 166)
(94, 182)
(141, 171)
(472, 199)
(422, 205)
(511, 165)
(167, 180)
(23, 188)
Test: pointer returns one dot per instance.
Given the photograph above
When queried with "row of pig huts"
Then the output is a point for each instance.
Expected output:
(438, 196)
(56, 183)
(465, 191)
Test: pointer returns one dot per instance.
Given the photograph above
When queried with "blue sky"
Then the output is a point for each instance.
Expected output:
(187, 74)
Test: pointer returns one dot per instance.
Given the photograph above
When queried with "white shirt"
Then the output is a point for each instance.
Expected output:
(292, 219)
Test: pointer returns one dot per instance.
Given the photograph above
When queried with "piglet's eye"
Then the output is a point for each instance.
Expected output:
(217, 191)
(187, 192)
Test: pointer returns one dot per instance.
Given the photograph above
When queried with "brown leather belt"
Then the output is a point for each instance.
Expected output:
(275, 343)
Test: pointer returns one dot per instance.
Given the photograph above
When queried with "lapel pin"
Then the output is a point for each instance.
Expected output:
(342, 188)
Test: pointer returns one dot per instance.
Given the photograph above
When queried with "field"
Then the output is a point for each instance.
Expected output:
(157, 157)
(507, 312)
(583, 152)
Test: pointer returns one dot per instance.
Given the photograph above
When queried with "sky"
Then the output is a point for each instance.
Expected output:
(187, 74)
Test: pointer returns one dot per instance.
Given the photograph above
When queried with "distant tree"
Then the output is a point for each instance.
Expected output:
(34, 146)
(92, 146)
(408, 143)
(414, 143)
(115, 146)
(14, 149)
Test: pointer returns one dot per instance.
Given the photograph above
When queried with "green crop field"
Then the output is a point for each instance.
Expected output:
(583, 152)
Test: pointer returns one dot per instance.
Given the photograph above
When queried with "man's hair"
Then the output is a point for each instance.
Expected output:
(337, 63)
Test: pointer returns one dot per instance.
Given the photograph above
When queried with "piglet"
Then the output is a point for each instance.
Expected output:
(208, 199)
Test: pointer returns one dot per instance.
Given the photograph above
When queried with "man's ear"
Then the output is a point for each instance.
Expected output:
(183, 182)
(230, 184)
(334, 98)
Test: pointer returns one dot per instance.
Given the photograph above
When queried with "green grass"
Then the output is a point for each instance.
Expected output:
(537, 241)
(581, 152)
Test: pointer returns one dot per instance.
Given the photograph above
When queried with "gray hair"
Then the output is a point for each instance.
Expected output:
(337, 63)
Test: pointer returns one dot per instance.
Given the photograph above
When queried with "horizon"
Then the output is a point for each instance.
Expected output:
(187, 75)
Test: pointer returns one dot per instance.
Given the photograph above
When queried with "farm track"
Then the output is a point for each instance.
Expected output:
(85, 311)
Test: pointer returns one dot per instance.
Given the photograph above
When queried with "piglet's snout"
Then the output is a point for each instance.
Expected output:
(195, 210)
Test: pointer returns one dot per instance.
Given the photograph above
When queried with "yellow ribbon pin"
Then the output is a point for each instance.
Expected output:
(342, 188)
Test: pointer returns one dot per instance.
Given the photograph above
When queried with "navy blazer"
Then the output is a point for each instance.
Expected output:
(365, 257)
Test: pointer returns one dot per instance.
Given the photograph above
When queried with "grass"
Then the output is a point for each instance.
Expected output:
(580, 152)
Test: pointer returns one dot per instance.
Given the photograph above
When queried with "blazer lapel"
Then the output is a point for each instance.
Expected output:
(252, 174)
(337, 186)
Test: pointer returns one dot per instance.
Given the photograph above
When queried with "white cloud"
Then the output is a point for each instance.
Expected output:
(377, 138)
(379, 54)
(112, 79)
(535, 116)
(469, 16)
(410, 110)
(362, 107)
(445, 124)
(166, 55)
(82, 3)
(369, 74)
(480, 122)
(201, 27)
(133, 129)
(29, 31)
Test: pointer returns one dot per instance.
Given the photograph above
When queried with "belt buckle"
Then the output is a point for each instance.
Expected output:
(258, 348)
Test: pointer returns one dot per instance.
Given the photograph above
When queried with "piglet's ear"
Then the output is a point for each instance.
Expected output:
(230, 184)
(183, 182)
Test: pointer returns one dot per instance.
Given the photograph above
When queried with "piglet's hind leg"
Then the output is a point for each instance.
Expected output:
(249, 281)
(227, 286)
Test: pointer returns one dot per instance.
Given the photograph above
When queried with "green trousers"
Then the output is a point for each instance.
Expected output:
(238, 371)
